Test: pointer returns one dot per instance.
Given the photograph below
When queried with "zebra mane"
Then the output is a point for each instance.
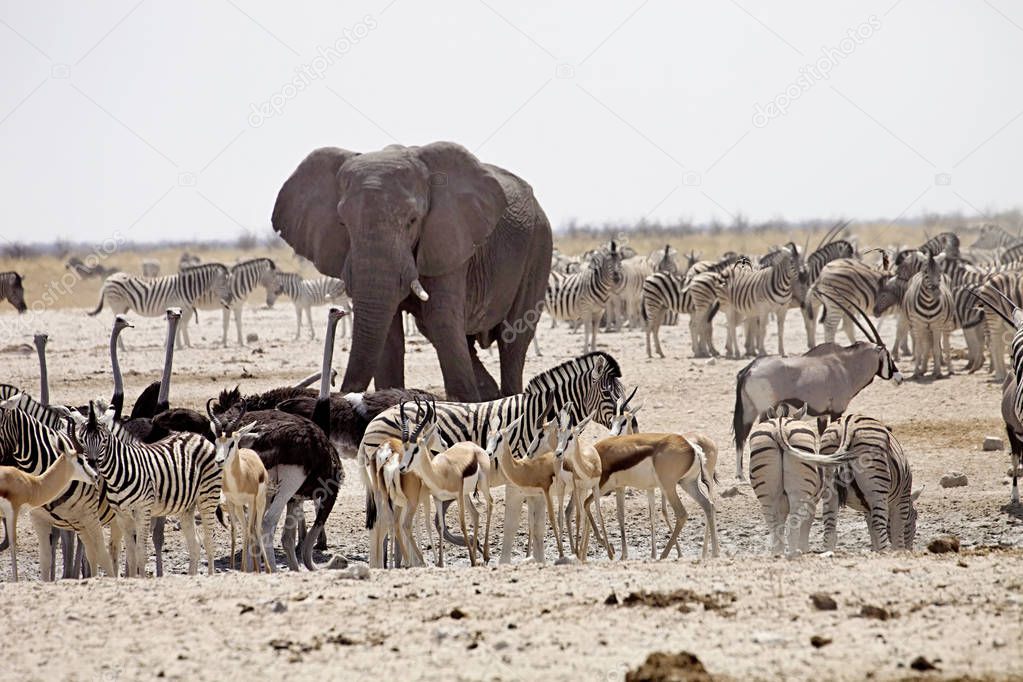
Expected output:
(201, 267)
(33, 408)
(12, 274)
(252, 261)
(542, 382)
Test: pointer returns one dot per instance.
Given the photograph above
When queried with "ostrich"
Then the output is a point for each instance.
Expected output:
(297, 454)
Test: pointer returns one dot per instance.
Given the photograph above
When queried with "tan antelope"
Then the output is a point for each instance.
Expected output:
(20, 489)
(675, 459)
(458, 474)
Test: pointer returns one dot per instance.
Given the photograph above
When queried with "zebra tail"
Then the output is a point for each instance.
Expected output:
(99, 307)
(371, 511)
(713, 310)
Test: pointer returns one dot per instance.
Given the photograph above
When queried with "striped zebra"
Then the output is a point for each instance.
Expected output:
(176, 476)
(242, 278)
(626, 301)
(809, 272)
(786, 487)
(665, 293)
(876, 481)
(583, 295)
(929, 310)
(753, 295)
(33, 445)
(946, 242)
(305, 293)
(588, 384)
(848, 280)
(1012, 257)
(993, 237)
(12, 290)
(1002, 292)
(151, 297)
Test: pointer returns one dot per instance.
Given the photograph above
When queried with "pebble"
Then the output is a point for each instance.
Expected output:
(921, 664)
(769, 638)
(943, 544)
(870, 611)
(823, 602)
(731, 491)
(993, 443)
(953, 479)
(817, 641)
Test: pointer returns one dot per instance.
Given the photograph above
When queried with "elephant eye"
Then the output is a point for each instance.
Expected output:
(411, 221)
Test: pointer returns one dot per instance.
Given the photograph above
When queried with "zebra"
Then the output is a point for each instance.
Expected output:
(849, 280)
(667, 294)
(876, 481)
(993, 237)
(787, 487)
(242, 278)
(32, 445)
(152, 297)
(946, 242)
(150, 267)
(627, 299)
(753, 294)
(929, 310)
(176, 476)
(1001, 292)
(305, 293)
(12, 289)
(584, 294)
(809, 273)
(588, 384)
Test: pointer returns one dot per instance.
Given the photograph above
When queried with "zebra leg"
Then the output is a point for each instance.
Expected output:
(512, 354)
(225, 319)
(936, 348)
(238, 323)
(187, 520)
(780, 315)
(42, 528)
(513, 499)
(206, 522)
(830, 504)
(620, 508)
(298, 319)
(158, 527)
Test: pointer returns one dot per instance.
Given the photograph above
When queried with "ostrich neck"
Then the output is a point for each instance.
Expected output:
(328, 359)
(117, 400)
(163, 400)
(44, 379)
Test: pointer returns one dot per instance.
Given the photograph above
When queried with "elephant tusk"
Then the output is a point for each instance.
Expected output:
(419, 291)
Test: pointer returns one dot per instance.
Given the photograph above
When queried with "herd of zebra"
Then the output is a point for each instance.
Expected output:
(209, 286)
(103, 471)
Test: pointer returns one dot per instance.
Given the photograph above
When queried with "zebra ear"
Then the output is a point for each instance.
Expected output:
(801, 412)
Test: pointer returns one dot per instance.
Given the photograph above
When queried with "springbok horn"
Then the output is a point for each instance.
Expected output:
(419, 291)
(241, 413)
(404, 422)
(423, 416)
(631, 396)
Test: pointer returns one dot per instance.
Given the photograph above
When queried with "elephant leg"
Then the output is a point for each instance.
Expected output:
(390, 372)
(445, 328)
(485, 383)
(513, 360)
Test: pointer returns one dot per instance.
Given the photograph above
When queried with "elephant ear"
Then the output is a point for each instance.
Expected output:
(305, 213)
(466, 201)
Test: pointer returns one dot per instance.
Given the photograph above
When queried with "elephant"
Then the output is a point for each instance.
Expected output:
(462, 245)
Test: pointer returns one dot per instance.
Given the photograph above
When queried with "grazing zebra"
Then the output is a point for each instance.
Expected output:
(305, 293)
(946, 242)
(753, 294)
(588, 384)
(787, 487)
(583, 295)
(929, 310)
(849, 280)
(151, 297)
(176, 476)
(875, 480)
(809, 273)
(242, 279)
(12, 289)
(33, 445)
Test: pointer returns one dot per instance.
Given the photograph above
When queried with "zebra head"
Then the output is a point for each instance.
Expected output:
(13, 289)
(93, 438)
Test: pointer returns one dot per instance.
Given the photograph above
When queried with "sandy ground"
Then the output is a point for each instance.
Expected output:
(964, 613)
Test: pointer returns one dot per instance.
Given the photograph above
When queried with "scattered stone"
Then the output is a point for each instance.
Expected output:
(876, 612)
(817, 641)
(662, 667)
(682, 597)
(564, 561)
(943, 544)
(612, 600)
(993, 443)
(279, 607)
(337, 562)
(921, 664)
(711, 362)
(501, 645)
(998, 643)
(954, 479)
(457, 614)
(251, 337)
(823, 602)
(354, 572)
(246, 608)
(731, 491)
(768, 638)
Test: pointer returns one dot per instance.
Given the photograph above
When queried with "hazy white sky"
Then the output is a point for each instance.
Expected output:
(159, 119)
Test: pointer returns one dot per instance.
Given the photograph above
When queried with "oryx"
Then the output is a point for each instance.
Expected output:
(825, 378)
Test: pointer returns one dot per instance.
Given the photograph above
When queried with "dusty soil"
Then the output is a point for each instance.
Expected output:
(962, 612)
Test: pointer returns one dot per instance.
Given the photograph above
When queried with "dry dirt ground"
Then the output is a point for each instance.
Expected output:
(745, 615)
